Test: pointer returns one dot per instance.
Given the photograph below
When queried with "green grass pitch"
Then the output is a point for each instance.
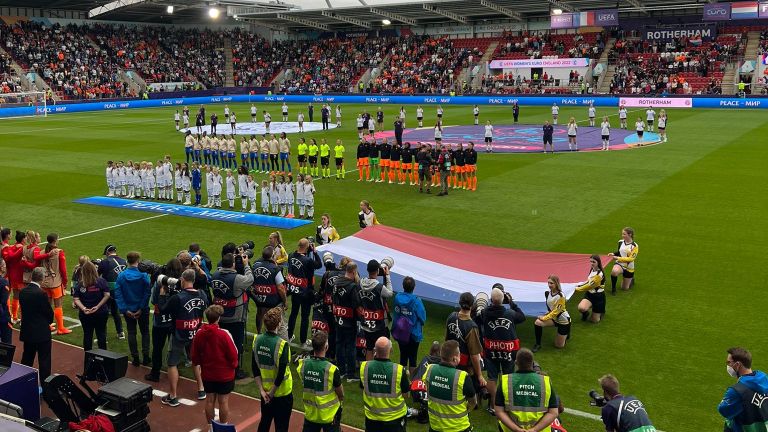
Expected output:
(697, 203)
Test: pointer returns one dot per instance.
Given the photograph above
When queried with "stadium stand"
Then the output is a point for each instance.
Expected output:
(10, 82)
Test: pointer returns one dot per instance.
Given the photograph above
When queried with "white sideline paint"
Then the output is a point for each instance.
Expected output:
(113, 226)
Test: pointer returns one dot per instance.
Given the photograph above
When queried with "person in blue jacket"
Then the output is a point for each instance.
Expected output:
(197, 182)
(744, 405)
(132, 292)
(409, 318)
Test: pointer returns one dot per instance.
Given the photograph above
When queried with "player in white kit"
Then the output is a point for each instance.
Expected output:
(285, 112)
(488, 137)
(226, 113)
(476, 114)
(265, 189)
(160, 180)
(338, 115)
(267, 121)
(216, 179)
(605, 133)
(359, 126)
(110, 179)
(300, 194)
(591, 112)
(231, 183)
(573, 128)
(420, 115)
(309, 197)
(650, 117)
(555, 113)
(623, 117)
(177, 182)
(253, 113)
(186, 184)
(663, 125)
(300, 118)
(274, 195)
(177, 119)
(289, 196)
(250, 193)
(168, 174)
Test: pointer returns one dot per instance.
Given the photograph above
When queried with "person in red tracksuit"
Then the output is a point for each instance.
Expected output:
(32, 256)
(12, 255)
(214, 350)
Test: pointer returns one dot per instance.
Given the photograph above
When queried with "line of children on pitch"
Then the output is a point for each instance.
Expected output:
(279, 194)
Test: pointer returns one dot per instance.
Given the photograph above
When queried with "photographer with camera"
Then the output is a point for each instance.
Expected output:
(372, 307)
(322, 310)
(186, 310)
(230, 292)
(460, 327)
(196, 263)
(109, 268)
(620, 413)
(302, 264)
(525, 400)
(268, 289)
(162, 322)
(132, 293)
(500, 340)
(237, 252)
(344, 305)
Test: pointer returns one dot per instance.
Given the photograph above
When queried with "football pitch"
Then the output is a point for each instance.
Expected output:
(697, 203)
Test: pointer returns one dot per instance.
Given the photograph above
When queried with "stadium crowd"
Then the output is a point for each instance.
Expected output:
(9, 80)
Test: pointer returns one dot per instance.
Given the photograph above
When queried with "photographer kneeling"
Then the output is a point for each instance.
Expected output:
(621, 413)
(229, 292)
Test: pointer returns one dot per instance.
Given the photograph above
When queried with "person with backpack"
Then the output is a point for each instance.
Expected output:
(409, 317)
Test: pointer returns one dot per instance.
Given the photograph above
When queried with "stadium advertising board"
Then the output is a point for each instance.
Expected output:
(635, 102)
(540, 63)
(704, 31)
(717, 11)
(498, 28)
(574, 100)
(603, 18)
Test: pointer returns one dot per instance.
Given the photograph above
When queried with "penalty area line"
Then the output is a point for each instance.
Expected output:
(113, 226)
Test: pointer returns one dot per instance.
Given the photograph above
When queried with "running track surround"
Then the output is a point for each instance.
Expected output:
(525, 138)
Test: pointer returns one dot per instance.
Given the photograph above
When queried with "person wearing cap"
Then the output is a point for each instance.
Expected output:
(500, 340)
(109, 268)
(372, 306)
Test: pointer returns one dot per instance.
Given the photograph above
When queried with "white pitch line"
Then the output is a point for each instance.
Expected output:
(591, 416)
(113, 226)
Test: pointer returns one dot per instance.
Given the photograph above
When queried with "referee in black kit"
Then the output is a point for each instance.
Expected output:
(549, 131)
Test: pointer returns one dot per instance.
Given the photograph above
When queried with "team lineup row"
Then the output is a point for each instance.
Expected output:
(279, 195)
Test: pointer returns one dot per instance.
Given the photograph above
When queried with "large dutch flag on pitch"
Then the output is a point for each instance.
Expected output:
(744, 10)
(443, 269)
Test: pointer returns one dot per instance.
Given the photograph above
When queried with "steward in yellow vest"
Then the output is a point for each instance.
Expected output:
(525, 400)
(384, 385)
(271, 358)
(450, 393)
(323, 392)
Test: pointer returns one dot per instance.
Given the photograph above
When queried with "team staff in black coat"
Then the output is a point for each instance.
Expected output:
(302, 264)
(35, 327)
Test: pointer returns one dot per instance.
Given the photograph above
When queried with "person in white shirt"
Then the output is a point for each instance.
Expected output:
(110, 179)
(233, 123)
(338, 115)
(249, 188)
(476, 113)
(438, 133)
(226, 113)
(591, 113)
(359, 126)
(309, 197)
(419, 115)
(555, 113)
(402, 115)
(285, 112)
(371, 128)
(231, 182)
(605, 133)
(168, 174)
(186, 184)
(300, 118)
(177, 182)
(488, 137)
(267, 121)
(290, 190)
(663, 125)
(253, 113)
(650, 117)
(623, 117)
(640, 128)
(151, 181)
(274, 195)
(300, 194)
(185, 120)
(573, 129)
(177, 119)
(282, 190)
(216, 180)
(242, 186)
(160, 176)
(439, 113)
(265, 190)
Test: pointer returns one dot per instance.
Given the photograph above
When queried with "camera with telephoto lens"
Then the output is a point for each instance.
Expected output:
(386, 263)
(597, 400)
(481, 302)
(507, 296)
(171, 284)
(246, 249)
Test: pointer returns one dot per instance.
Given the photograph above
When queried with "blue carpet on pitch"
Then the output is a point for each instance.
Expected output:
(196, 212)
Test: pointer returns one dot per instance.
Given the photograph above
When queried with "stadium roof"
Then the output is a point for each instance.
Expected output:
(332, 15)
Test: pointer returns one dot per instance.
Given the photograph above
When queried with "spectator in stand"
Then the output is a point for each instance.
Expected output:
(214, 351)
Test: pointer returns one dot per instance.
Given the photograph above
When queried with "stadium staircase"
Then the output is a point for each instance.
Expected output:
(483, 63)
(603, 85)
(134, 86)
(371, 74)
(750, 52)
(26, 84)
(229, 68)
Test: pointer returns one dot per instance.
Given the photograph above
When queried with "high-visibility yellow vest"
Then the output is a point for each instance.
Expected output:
(320, 400)
(526, 398)
(445, 395)
(267, 350)
(382, 400)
